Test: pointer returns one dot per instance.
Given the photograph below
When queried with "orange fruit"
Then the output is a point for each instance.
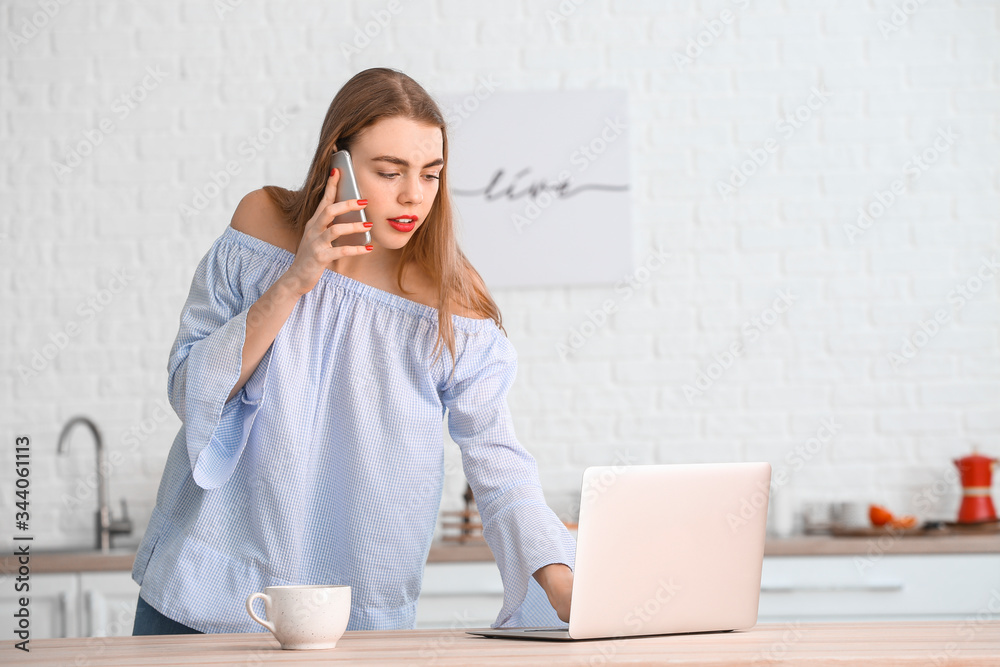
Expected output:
(904, 522)
(878, 515)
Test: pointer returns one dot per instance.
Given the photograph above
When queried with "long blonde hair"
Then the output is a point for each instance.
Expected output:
(370, 96)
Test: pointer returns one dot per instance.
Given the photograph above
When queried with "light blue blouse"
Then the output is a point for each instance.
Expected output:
(327, 466)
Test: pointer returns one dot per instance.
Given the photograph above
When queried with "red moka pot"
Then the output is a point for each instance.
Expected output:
(977, 477)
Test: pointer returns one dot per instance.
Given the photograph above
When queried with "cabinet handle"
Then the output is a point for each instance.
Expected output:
(88, 608)
(871, 587)
(61, 605)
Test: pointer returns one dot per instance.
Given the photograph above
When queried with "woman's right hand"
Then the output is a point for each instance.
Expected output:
(316, 250)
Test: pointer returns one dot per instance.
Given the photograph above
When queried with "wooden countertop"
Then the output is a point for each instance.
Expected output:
(120, 560)
(54, 562)
(811, 644)
(887, 544)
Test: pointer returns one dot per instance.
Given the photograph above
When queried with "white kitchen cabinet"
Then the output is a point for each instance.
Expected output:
(893, 587)
(107, 602)
(52, 606)
(78, 604)
(810, 588)
(460, 595)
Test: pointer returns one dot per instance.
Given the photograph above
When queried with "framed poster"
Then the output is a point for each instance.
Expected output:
(540, 182)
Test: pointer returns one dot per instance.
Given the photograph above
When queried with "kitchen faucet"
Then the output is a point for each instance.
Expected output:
(106, 525)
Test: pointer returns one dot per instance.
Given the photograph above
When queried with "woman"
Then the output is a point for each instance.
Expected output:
(312, 377)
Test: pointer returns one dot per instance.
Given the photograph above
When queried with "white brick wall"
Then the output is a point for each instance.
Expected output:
(622, 392)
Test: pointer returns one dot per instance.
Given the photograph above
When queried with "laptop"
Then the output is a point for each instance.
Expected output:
(664, 549)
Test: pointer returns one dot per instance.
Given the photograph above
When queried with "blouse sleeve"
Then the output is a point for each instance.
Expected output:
(523, 533)
(205, 363)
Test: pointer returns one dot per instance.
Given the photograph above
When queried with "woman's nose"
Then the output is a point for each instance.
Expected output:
(411, 194)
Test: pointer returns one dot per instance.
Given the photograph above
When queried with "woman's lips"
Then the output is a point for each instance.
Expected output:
(403, 223)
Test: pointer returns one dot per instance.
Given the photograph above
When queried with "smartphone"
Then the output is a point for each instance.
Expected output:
(347, 188)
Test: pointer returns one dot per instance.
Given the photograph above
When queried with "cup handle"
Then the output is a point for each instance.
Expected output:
(267, 606)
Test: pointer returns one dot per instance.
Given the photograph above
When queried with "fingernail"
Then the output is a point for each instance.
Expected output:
(362, 202)
(369, 247)
(368, 224)
(333, 171)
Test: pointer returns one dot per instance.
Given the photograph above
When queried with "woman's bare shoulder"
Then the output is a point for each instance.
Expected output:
(259, 216)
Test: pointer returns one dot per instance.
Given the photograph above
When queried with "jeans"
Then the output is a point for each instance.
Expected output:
(148, 621)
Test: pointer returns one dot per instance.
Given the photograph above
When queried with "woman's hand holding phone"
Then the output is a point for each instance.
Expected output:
(316, 248)
(314, 254)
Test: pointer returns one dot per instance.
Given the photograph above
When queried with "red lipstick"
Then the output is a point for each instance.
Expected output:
(403, 223)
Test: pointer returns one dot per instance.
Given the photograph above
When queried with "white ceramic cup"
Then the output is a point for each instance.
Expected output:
(304, 617)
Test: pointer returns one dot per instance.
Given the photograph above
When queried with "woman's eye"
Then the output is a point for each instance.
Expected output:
(435, 177)
(387, 175)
